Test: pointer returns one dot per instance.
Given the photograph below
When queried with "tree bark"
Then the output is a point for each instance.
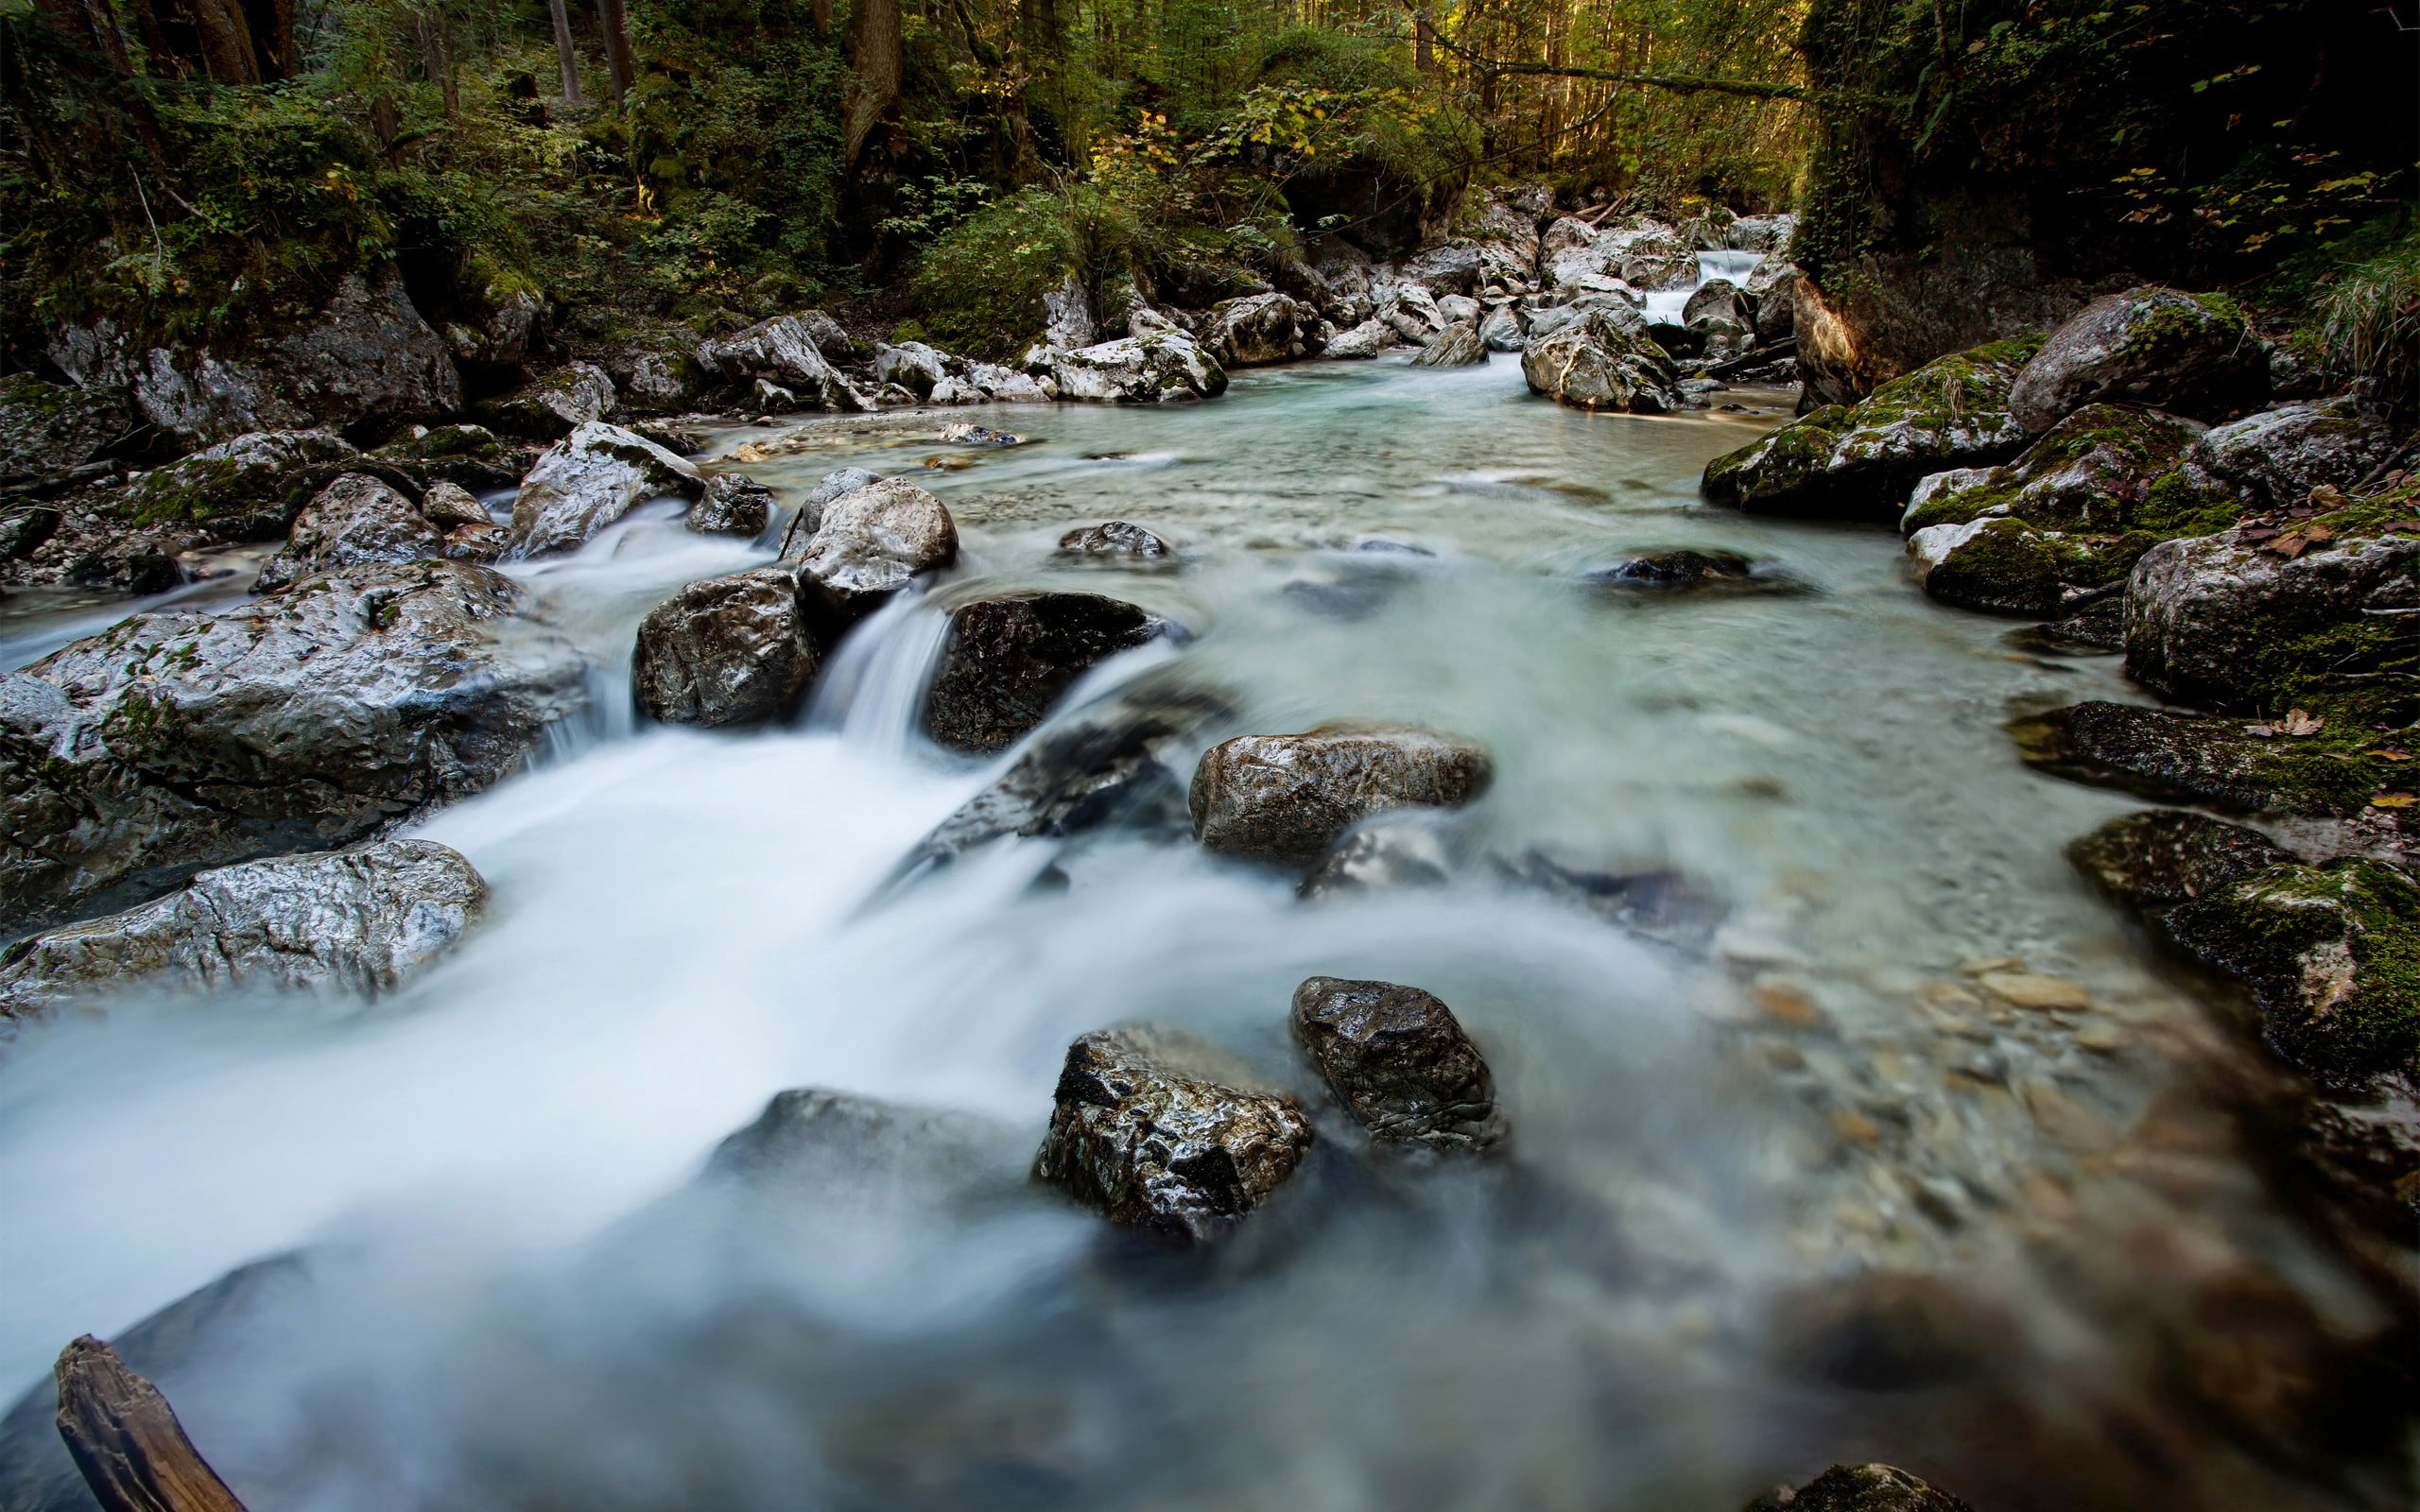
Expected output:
(226, 42)
(564, 52)
(436, 55)
(273, 27)
(875, 72)
(126, 1439)
(616, 24)
(1424, 43)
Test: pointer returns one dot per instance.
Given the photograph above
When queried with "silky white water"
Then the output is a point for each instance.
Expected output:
(508, 1297)
(1665, 306)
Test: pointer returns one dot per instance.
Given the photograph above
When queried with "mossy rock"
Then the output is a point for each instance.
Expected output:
(47, 429)
(2088, 473)
(1787, 464)
(2184, 757)
(2007, 566)
(2188, 354)
(2156, 859)
(248, 488)
(471, 455)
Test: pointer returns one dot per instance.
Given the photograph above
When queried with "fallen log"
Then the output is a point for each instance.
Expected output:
(126, 1439)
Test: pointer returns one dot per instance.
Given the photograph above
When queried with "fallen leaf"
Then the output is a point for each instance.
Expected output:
(2289, 547)
(2390, 801)
(2401, 524)
(2303, 722)
(2261, 731)
(2386, 755)
(2319, 535)
(2267, 532)
(2328, 496)
(2300, 514)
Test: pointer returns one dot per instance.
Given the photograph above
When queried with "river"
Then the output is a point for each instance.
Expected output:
(1784, 1189)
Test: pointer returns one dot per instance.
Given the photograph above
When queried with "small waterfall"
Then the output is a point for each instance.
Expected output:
(1663, 306)
(873, 690)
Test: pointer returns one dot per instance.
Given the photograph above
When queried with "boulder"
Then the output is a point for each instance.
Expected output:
(364, 358)
(551, 407)
(734, 504)
(2155, 859)
(1460, 346)
(2184, 757)
(471, 455)
(1773, 288)
(1647, 255)
(1287, 798)
(1410, 310)
(1761, 233)
(1449, 268)
(1362, 341)
(2185, 353)
(1717, 298)
(1262, 328)
(49, 429)
(1500, 328)
(353, 521)
(1668, 571)
(1862, 1488)
(1115, 541)
(2094, 470)
(783, 352)
(504, 331)
(1008, 658)
(2008, 566)
(1068, 317)
(724, 651)
(2328, 952)
(869, 543)
(1149, 1129)
(588, 480)
(1863, 463)
(831, 486)
(2276, 458)
(1165, 368)
(358, 921)
(1398, 1060)
(249, 487)
(911, 365)
(1597, 364)
(449, 505)
(174, 742)
(1459, 309)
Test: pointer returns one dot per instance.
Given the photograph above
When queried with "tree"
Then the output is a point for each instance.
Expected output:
(875, 71)
(564, 53)
(616, 24)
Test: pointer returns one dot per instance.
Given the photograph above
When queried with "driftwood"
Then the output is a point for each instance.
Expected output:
(127, 1440)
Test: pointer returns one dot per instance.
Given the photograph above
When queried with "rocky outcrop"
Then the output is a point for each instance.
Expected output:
(249, 487)
(781, 352)
(2159, 858)
(588, 480)
(870, 544)
(1287, 798)
(1156, 1130)
(354, 521)
(364, 358)
(1862, 463)
(1398, 1060)
(2184, 757)
(2093, 471)
(176, 742)
(1459, 346)
(1260, 329)
(2276, 458)
(725, 651)
(351, 920)
(551, 407)
(734, 504)
(1595, 364)
(1361, 343)
(1008, 658)
(2186, 354)
(1115, 541)
(1862, 1488)
(48, 430)
(1166, 367)
(2008, 566)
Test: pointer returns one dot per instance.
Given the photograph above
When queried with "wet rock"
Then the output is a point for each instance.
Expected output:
(1164, 368)
(2007, 566)
(1362, 341)
(734, 504)
(725, 651)
(358, 921)
(1261, 328)
(966, 434)
(551, 407)
(809, 517)
(1500, 328)
(447, 505)
(49, 429)
(1114, 539)
(2186, 354)
(1460, 346)
(1656, 903)
(1772, 287)
(2093, 471)
(1403, 847)
(870, 544)
(1398, 1060)
(2181, 758)
(1885, 1331)
(352, 522)
(1862, 1488)
(1287, 798)
(249, 487)
(781, 352)
(812, 1143)
(1410, 310)
(1149, 1129)
(588, 480)
(2276, 457)
(1008, 660)
(2158, 858)
(174, 742)
(1863, 462)
(2328, 952)
(1597, 365)
(471, 455)
(1666, 571)
(2098, 628)
(911, 365)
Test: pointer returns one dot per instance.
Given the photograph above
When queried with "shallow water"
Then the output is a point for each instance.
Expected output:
(1790, 1192)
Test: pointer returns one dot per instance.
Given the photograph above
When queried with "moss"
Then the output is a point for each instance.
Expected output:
(2183, 504)
(1778, 462)
(1956, 505)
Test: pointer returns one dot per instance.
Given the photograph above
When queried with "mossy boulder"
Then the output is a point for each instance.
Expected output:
(2186, 354)
(471, 455)
(1597, 363)
(2088, 473)
(1863, 462)
(2275, 459)
(47, 429)
(2185, 758)
(551, 407)
(2158, 858)
(246, 489)
(2331, 954)
(2009, 566)
(354, 521)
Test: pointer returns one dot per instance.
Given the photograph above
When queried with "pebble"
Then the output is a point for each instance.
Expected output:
(1984, 965)
(2027, 990)
(1788, 1002)
(2105, 1039)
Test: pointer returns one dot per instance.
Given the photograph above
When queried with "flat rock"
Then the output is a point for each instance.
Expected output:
(2181, 758)
(354, 521)
(2161, 857)
(2186, 354)
(588, 480)
(869, 543)
(1289, 798)
(246, 488)
(2003, 565)
(725, 651)
(1008, 658)
(1398, 1060)
(1671, 571)
(2093, 471)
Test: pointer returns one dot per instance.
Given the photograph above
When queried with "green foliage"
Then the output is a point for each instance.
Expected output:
(2368, 319)
(981, 284)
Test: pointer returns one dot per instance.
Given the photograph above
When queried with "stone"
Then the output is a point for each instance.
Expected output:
(1259, 329)
(2183, 758)
(315, 718)
(1362, 341)
(1862, 1488)
(248, 488)
(1761, 233)
(2329, 954)
(2186, 354)
(1289, 798)
(1165, 368)
(725, 651)
(1114, 539)
(360, 922)
(1666, 571)
(2036, 991)
(1008, 658)
(448, 506)
(353, 521)
(911, 365)
(1459, 346)
(49, 429)
(965, 433)
(2158, 858)
(734, 504)
(2276, 458)
(1149, 1129)
(869, 543)
(588, 480)
(503, 332)
(1398, 1060)
(551, 407)
(1655, 903)
(1500, 328)
(2007, 566)
(1459, 309)
(1597, 365)
(1410, 310)
(2093, 471)
(812, 1143)
(1068, 317)
(471, 455)
(1773, 287)
(781, 352)
(1403, 847)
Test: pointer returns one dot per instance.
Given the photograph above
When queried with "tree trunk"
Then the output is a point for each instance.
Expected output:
(821, 12)
(273, 27)
(1424, 43)
(875, 72)
(616, 24)
(436, 55)
(226, 42)
(126, 1439)
(564, 52)
(165, 60)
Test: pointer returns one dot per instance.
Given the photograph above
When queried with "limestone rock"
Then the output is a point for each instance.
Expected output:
(352, 921)
(449, 505)
(1259, 329)
(353, 521)
(1595, 364)
(551, 407)
(248, 488)
(1008, 658)
(588, 480)
(1862, 1489)
(2093, 471)
(1398, 1060)
(175, 742)
(2181, 758)
(2158, 858)
(2186, 354)
(2276, 458)
(781, 352)
(1068, 315)
(1165, 368)
(1501, 329)
(1115, 541)
(1460, 346)
(1761, 233)
(2007, 566)
(47, 429)
(911, 365)
(1149, 1130)
(1362, 341)
(734, 504)
(869, 543)
(1287, 798)
(724, 651)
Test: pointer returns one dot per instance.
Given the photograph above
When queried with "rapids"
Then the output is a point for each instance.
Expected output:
(1788, 1193)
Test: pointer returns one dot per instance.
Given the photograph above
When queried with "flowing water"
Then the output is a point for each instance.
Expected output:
(1665, 306)
(1784, 1189)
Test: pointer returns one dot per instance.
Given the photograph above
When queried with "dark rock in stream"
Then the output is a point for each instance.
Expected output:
(1287, 798)
(1009, 659)
(1656, 903)
(1115, 541)
(809, 1142)
(734, 504)
(2161, 857)
(1862, 1488)
(353, 521)
(1151, 1131)
(1398, 1060)
(2184, 757)
(724, 651)
(1668, 571)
